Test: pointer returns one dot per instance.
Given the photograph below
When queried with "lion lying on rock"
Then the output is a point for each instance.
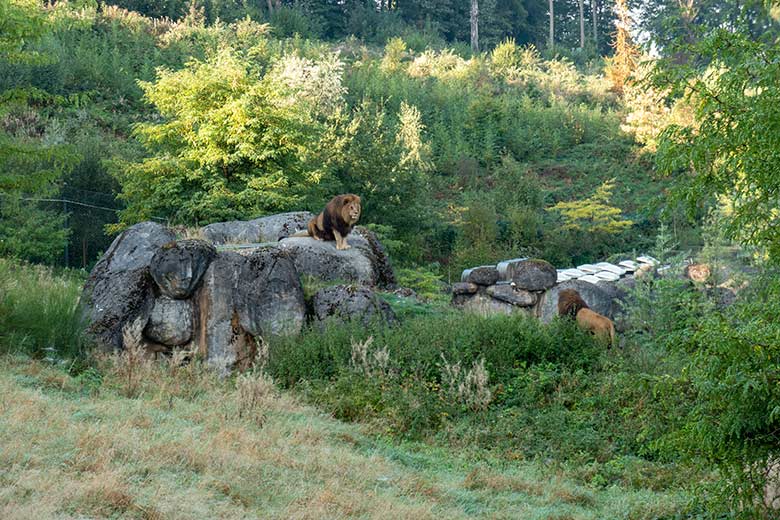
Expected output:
(571, 304)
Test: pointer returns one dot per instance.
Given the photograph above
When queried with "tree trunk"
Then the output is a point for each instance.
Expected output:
(582, 24)
(270, 6)
(475, 26)
(593, 8)
(552, 25)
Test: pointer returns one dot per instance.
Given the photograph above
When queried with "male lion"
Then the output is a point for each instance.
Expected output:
(571, 304)
(336, 221)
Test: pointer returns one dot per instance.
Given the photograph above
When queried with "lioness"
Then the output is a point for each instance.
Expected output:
(336, 221)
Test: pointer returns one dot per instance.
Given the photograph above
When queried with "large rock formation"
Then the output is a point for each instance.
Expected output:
(152, 290)
(119, 291)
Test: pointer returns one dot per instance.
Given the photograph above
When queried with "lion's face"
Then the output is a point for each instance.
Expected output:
(351, 210)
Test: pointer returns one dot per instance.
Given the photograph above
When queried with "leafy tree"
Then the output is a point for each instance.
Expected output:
(233, 142)
(383, 157)
(732, 148)
(593, 214)
(669, 24)
(31, 165)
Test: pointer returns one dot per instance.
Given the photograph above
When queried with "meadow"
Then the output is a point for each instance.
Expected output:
(127, 436)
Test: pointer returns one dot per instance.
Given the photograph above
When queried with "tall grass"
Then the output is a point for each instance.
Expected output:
(39, 312)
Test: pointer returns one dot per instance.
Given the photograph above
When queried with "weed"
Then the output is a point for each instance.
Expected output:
(253, 391)
(469, 387)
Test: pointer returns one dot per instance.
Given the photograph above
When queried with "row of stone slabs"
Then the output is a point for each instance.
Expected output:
(605, 271)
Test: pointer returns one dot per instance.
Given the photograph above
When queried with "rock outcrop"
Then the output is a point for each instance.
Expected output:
(365, 262)
(265, 229)
(119, 291)
(350, 302)
(153, 290)
(532, 286)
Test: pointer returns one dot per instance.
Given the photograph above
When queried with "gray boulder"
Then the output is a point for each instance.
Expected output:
(219, 337)
(177, 267)
(264, 229)
(601, 297)
(482, 275)
(119, 290)
(385, 274)
(170, 322)
(464, 288)
(532, 275)
(485, 305)
(269, 299)
(508, 294)
(363, 263)
(349, 302)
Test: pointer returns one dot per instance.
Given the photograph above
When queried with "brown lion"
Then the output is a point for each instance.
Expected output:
(598, 325)
(336, 221)
(570, 302)
(571, 305)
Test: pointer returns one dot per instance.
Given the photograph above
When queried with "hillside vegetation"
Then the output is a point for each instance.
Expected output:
(459, 158)
(193, 112)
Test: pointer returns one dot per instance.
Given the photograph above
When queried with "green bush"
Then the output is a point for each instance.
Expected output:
(417, 351)
(731, 377)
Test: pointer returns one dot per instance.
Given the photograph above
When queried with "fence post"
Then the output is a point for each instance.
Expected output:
(67, 238)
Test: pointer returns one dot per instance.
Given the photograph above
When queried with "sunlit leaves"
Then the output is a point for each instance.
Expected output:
(593, 214)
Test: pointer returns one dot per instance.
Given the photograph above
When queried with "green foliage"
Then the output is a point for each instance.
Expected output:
(31, 160)
(730, 150)
(395, 50)
(731, 377)
(21, 22)
(382, 157)
(593, 214)
(232, 144)
(39, 312)
(424, 282)
(411, 398)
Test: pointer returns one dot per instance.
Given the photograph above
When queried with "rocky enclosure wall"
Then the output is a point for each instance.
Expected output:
(532, 286)
(219, 295)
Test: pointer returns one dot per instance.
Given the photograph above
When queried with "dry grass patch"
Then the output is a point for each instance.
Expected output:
(572, 496)
(482, 480)
(189, 444)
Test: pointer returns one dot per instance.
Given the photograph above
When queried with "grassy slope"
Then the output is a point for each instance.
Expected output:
(192, 446)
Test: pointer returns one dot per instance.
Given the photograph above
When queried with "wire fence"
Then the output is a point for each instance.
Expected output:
(87, 214)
